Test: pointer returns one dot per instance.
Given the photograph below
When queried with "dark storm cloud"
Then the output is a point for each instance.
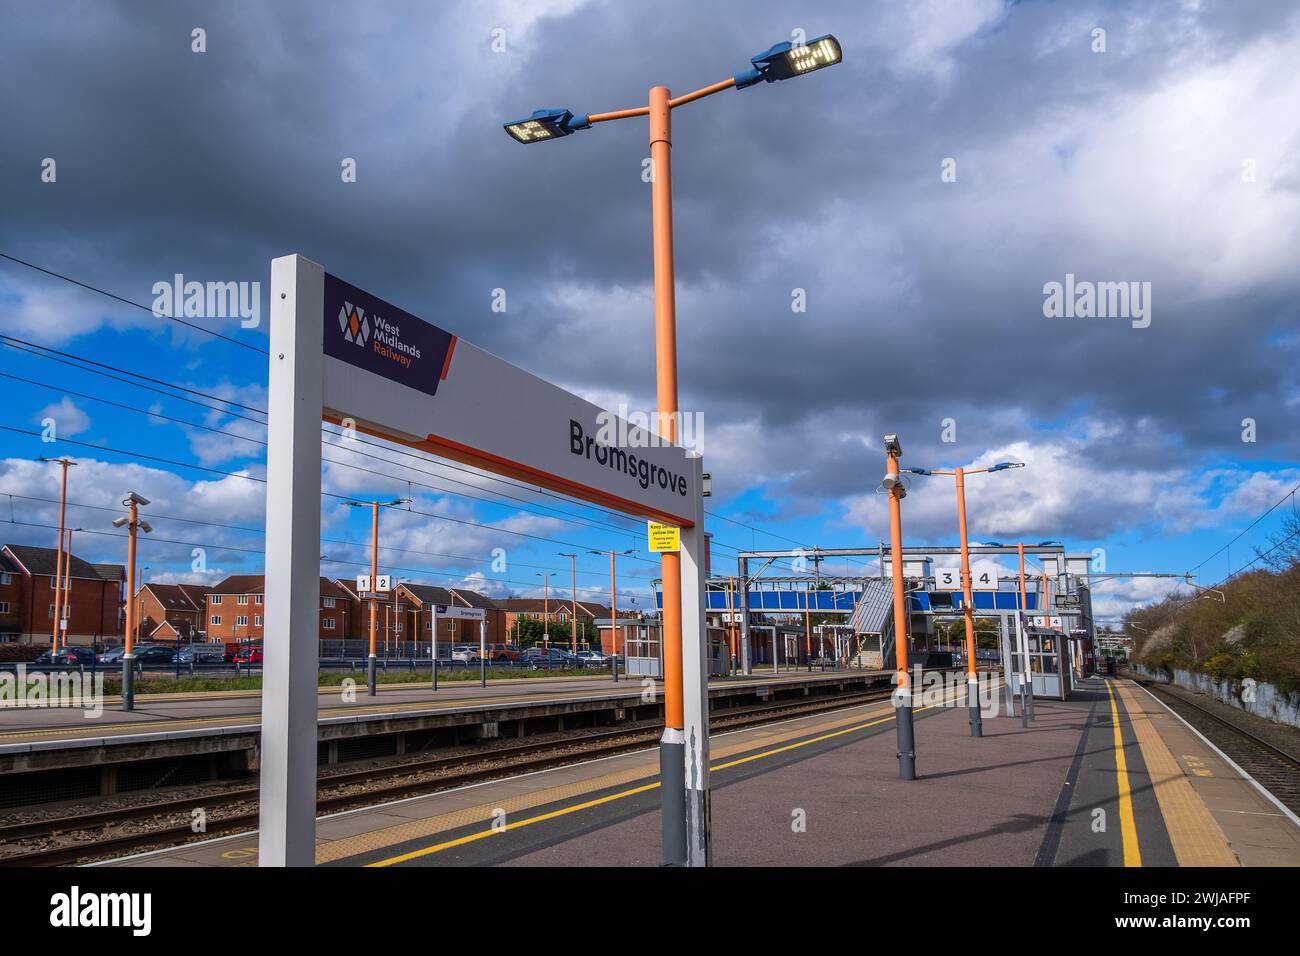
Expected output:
(924, 298)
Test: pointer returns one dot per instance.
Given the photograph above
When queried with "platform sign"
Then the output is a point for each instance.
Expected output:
(448, 612)
(947, 579)
(397, 376)
(1049, 623)
(662, 538)
(340, 354)
(382, 582)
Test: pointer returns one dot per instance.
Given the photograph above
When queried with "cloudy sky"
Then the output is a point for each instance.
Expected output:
(914, 200)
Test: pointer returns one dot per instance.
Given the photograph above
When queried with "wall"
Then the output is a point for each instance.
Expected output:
(1269, 702)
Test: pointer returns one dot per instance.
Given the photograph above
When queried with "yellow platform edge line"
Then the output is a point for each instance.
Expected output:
(1127, 823)
(1193, 832)
(609, 798)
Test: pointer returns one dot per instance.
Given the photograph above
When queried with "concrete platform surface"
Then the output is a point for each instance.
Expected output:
(1105, 779)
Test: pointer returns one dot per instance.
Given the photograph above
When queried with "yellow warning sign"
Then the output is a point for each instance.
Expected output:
(663, 537)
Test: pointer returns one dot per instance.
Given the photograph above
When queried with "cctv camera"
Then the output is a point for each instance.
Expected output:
(892, 446)
(138, 499)
(118, 522)
(146, 527)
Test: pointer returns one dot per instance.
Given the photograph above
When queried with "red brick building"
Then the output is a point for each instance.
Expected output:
(235, 612)
(27, 583)
(171, 613)
(418, 601)
(554, 609)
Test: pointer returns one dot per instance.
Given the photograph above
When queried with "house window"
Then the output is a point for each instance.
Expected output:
(216, 598)
(451, 627)
(257, 620)
(241, 621)
(4, 607)
(328, 623)
(428, 624)
(50, 615)
(257, 599)
(216, 620)
(327, 602)
(399, 627)
(242, 599)
(6, 577)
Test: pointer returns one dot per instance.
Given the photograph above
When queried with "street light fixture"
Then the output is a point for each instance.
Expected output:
(546, 124)
(784, 60)
(684, 807)
(968, 598)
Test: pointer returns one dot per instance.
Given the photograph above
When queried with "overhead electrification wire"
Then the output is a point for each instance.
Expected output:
(125, 301)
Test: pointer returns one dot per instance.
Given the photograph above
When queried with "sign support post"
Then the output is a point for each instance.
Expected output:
(341, 354)
(695, 679)
(287, 788)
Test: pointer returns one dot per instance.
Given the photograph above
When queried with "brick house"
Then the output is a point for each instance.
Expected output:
(555, 609)
(234, 609)
(27, 583)
(358, 616)
(171, 613)
(417, 602)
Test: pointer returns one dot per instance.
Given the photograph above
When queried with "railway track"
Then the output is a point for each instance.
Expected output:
(95, 835)
(1277, 771)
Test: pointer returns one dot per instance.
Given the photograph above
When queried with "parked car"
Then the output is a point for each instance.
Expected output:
(249, 654)
(502, 653)
(152, 654)
(538, 658)
(593, 659)
(67, 657)
(112, 656)
(200, 654)
(464, 652)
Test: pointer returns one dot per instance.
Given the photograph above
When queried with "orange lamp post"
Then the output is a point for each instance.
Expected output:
(546, 610)
(967, 593)
(132, 522)
(903, 695)
(58, 565)
(613, 609)
(780, 62)
(371, 661)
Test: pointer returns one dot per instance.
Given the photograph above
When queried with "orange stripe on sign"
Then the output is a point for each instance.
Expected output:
(514, 469)
(446, 363)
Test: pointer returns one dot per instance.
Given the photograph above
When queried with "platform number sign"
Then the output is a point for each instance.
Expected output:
(947, 579)
(983, 581)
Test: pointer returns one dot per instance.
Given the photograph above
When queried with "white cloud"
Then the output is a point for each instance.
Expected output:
(68, 418)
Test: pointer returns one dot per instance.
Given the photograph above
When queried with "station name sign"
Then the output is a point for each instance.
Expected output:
(391, 373)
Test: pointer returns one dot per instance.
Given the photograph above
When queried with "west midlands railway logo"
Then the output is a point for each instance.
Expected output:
(355, 325)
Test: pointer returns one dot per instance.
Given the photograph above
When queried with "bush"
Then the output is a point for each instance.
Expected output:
(21, 653)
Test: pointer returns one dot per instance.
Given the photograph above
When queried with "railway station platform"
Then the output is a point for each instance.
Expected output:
(65, 753)
(1109, 778)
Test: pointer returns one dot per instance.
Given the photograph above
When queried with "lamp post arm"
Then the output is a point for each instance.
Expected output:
(703, 92)
(682, 100)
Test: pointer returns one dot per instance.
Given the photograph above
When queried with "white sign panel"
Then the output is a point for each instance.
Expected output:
(363, 582)
(948, 579)
(1051, 623)
(393, 374)
(448, 612)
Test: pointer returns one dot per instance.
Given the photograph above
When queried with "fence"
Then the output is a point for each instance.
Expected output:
(1254, 697)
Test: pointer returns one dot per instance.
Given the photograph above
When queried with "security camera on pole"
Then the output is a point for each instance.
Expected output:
(968, 598)
(131, 521)
(893, 485)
